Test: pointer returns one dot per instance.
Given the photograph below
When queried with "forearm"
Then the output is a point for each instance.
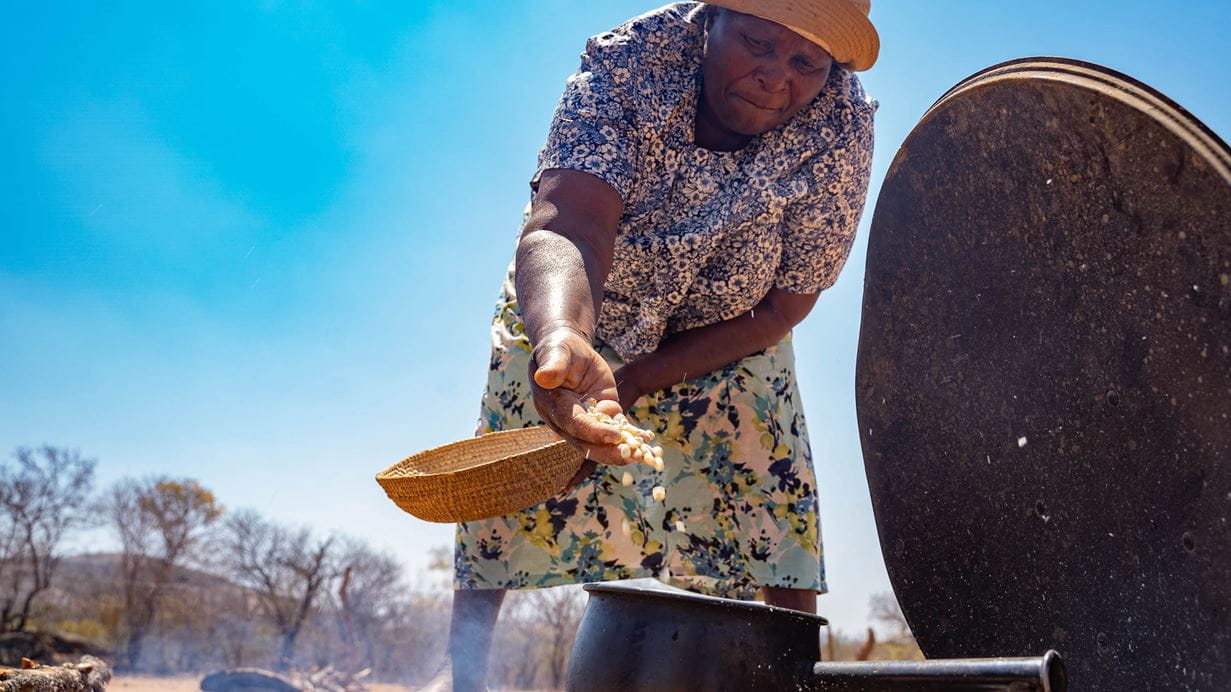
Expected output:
(704, 349)
(563, 257)
(558, 283)
(565, 253)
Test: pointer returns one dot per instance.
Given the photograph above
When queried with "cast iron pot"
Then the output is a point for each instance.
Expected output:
(634, 638)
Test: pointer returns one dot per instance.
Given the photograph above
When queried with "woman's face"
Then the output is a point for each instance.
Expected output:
(757, 74)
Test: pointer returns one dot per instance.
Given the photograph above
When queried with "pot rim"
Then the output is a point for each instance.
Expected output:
(726, 604)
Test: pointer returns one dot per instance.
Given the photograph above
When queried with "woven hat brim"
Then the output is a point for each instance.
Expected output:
(838, 26)
(483, 477)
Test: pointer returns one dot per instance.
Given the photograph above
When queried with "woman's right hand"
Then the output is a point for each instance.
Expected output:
(565, 372)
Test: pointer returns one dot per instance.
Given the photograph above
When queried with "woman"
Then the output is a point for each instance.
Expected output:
(700, 185)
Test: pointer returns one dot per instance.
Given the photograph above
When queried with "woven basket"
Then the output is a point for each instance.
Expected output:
(487, 476)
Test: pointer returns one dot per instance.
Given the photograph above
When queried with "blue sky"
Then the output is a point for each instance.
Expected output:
(259, 243)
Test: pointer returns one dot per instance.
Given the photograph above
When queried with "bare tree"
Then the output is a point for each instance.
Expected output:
(287, 568)
(558, 613)
(883, 610)
(899, 643)
(535, 637)
(159, 521)
(42, 496)
(371, 587)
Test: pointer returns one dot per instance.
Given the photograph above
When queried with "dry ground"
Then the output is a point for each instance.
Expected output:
(141, 683)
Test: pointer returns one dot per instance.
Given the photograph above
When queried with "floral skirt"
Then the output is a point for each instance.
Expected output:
(741, 505)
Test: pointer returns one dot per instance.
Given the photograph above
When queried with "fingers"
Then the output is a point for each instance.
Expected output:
(610, 407)
(584, 427)
(553, 361)
(566, 365)
(562, 408)
(573, 424)
(603, 454)
(570, 364)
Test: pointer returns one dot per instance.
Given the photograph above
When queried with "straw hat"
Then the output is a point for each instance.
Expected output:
(841, 27)
(487, 476)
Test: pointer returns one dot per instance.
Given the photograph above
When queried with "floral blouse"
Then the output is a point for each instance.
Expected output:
(705, 234)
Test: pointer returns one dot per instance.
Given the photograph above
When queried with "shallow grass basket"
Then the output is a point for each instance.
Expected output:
(482, 477)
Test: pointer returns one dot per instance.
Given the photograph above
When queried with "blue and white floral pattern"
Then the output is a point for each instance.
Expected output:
(705, 234)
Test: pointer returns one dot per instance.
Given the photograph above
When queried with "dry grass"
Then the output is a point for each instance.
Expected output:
(191, 683)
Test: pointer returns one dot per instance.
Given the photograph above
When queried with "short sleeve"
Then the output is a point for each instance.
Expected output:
(594, 128)
(819, 227)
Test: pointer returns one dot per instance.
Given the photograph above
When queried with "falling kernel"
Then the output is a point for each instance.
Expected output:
(659, 493)
(627, 479)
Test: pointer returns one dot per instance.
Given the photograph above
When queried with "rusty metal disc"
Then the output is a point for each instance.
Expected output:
(1044, 377)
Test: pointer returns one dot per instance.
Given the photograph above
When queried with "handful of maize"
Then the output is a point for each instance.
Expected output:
(635, 444)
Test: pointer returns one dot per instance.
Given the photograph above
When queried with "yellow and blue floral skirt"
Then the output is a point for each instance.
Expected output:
(741, 506)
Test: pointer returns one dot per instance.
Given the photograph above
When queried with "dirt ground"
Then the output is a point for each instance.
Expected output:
(141, 683)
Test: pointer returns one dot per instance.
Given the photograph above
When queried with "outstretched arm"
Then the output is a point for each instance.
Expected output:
(563, 258)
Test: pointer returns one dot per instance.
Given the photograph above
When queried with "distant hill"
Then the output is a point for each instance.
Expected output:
(104, 568)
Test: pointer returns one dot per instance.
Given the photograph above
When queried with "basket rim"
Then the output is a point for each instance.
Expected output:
(388, 473)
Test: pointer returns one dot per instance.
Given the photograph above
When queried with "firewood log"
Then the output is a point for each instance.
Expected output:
(87, 675)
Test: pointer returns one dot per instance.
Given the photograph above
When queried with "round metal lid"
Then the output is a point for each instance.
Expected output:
(1044, 377)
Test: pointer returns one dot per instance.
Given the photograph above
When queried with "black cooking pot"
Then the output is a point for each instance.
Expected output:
(634, 638)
